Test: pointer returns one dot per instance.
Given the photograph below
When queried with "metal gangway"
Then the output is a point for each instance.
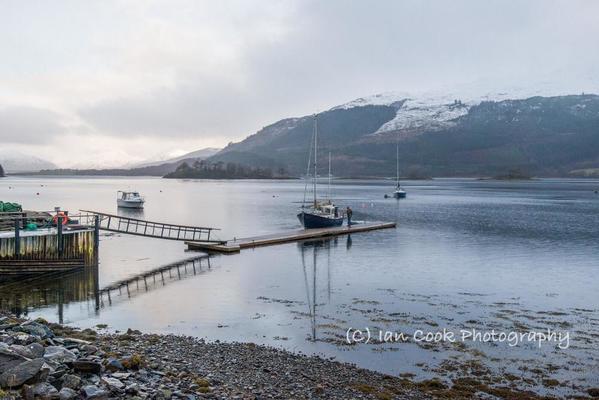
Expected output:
(154, 279)
(159, 230)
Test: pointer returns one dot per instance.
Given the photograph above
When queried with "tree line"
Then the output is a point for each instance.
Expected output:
(202, 169)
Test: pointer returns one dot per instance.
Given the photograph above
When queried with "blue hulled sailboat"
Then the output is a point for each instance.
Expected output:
(320, 214)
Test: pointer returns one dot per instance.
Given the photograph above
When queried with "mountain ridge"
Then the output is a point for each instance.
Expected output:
(443, 135)
(15, 162)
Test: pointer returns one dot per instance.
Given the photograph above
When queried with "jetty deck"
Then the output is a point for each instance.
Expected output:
(236, 245)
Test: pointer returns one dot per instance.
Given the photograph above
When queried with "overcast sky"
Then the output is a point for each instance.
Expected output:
(98, 83)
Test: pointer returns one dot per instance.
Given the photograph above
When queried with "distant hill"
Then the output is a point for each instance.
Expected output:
(154, 170)
(20, 162)
(1, 171)
(161, 169)
(438, 135)
(201, 154)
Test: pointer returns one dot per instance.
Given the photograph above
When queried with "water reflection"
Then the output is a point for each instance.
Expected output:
(137, 213)
(309, 251)
(20, 296)
(157, 278)
(50, 290)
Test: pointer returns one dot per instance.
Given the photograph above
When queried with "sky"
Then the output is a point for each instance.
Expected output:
(110, 82)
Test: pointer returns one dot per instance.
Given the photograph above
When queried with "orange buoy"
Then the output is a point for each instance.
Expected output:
(65, 218)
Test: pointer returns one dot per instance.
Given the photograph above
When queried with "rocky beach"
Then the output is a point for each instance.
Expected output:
(50, 361)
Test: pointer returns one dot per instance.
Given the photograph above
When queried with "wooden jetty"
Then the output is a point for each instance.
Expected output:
(48, 247)
(236, 245)
(158, 230)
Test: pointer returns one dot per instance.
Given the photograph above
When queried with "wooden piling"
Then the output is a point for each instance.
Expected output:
(17, 239)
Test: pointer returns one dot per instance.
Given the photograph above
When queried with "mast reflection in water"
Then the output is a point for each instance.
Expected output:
(310, 251)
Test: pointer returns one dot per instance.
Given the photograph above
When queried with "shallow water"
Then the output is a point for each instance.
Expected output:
(467, 254)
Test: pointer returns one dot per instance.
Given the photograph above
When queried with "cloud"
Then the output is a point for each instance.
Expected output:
(201, 73)
(29, 125)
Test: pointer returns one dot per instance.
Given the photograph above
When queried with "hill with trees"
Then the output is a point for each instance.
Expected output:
(539, 136)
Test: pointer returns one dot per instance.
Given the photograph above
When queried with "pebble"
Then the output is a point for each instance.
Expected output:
(67, 394)
(138, 367)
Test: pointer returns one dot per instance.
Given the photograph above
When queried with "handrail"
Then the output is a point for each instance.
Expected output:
(148, 222)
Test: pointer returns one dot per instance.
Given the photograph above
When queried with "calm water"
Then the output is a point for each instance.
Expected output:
(466, 254)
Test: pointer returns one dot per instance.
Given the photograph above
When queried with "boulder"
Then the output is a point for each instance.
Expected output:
(113, 383)
(22, 350)
(37, 350)
(59, 354)
(89, 367)
(67, 394)
(36, 329)
(71, 381)
(44, 390)
(9, 359)
(94, 392)
(26, 372)
(112, 365)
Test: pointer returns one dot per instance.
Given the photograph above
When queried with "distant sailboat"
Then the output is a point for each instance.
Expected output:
(319, 214)
(399, 192)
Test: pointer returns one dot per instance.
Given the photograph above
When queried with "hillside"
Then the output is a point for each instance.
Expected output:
(19, 162)
(195, 155)
(153, 170)
(438, 135)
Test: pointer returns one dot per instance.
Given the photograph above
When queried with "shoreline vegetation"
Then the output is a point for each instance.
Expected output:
(512, 175)
(220, 170)
(202, 169)
(45, 360)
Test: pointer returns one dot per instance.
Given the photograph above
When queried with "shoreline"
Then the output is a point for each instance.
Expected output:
(45, 360)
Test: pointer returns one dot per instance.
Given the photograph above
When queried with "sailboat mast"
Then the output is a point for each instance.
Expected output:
(397, 158)
(329, 177)
(315, 157)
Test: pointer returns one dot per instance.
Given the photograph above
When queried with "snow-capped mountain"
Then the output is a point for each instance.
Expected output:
(20, 162)
(544, 131)
(437, 110)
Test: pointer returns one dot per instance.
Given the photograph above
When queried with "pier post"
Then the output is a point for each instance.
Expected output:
(59, 236)
(17, 239)
(96, 239)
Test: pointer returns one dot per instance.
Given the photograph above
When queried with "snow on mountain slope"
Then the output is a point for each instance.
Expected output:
(13, 161)
(440, 109)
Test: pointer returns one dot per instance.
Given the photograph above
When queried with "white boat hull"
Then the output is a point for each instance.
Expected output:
(130, 203)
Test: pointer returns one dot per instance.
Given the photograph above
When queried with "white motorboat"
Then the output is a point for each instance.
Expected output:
(130, 200)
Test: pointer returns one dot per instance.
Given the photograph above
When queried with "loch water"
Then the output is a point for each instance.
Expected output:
(467, 255)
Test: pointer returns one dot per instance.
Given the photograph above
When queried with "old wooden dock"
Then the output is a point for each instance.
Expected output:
(47, 247)
(236, 245)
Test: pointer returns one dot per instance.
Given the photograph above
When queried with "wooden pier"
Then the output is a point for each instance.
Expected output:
(236, 245)
(47, 247)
